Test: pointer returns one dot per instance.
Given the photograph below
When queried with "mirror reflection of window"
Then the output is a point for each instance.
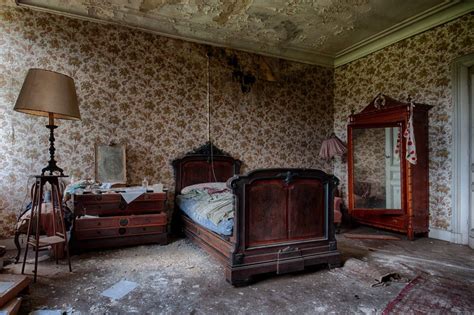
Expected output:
(376, 168)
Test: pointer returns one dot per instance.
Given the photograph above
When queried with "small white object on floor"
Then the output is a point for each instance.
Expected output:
(40, 258)
(120, 289)
(47, 312)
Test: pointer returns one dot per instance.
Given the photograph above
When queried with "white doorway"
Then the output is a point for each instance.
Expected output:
(471, 186)
(462, 224)
(392, 169)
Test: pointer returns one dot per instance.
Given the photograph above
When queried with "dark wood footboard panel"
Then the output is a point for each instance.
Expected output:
(283, 222)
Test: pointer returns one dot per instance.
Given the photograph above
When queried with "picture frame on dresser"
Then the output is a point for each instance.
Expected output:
(111, 163)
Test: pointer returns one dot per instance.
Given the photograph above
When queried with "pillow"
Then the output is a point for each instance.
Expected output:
(210, 187)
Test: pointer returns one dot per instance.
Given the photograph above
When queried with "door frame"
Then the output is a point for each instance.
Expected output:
(461, 186)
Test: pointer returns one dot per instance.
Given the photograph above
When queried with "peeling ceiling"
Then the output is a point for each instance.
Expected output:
(310, 31)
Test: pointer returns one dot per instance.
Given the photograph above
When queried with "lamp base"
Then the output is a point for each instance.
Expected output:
(52, 167)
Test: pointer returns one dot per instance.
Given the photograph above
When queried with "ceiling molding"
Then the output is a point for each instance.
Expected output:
(410, 27)
(445, 12)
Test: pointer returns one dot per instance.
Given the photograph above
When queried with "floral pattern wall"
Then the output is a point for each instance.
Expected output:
(419, 67)
(149, 92)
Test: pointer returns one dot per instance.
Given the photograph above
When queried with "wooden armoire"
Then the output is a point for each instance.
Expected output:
(385, 189)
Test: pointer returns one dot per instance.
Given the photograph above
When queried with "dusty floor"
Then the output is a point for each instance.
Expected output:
(182, 279)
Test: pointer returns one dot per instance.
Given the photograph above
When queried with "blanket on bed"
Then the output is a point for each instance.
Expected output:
(214, 202)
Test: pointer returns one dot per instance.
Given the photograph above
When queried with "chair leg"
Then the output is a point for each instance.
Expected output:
(28, 234)
(63, 226)
(38, 221)
(55, 248)
(18, 246)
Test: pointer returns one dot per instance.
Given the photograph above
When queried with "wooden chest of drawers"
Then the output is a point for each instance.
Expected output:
(106, 220)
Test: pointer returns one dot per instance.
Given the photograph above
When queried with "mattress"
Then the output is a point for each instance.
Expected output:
(209, 205)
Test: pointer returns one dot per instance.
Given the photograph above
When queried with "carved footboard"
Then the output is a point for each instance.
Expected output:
(283, 222)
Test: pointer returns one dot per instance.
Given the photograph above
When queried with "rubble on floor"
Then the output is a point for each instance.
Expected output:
(181, 278)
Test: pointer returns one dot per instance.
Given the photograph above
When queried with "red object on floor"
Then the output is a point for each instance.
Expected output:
(424, 295)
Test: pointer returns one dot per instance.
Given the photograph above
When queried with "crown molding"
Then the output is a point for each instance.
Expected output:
(445, 12)
(408, 28)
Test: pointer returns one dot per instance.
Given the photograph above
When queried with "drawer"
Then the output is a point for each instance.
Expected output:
(120, 221)
(100, 198)
(113, 204)
(114, 242)
(119, 232)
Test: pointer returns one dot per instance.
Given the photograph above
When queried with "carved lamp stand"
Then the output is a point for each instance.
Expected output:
(51, 94)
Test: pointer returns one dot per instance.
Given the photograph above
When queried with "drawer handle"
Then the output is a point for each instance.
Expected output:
(123, 222)
(122, 231)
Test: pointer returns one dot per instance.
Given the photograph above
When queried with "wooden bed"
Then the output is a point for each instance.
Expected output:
(283, 217)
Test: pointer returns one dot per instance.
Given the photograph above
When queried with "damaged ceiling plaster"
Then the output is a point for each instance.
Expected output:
(314, 32)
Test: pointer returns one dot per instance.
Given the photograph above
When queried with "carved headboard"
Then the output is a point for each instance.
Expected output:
(205, 164)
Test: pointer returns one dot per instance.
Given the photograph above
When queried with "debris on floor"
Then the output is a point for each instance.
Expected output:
(370, 274)
(387, 278)
(181, 278)
(47, 312)
(120, 289)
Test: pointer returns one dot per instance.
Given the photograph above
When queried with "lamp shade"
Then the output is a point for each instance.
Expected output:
(332, 147)
(47, 92)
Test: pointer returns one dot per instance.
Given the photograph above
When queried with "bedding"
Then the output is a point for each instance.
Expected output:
(209, 204)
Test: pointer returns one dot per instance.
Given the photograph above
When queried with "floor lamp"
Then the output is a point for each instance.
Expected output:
(53, 95)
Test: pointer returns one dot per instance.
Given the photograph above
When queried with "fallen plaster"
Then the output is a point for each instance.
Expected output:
(181, 278)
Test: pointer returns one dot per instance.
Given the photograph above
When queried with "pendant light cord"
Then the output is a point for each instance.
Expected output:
(208, 100)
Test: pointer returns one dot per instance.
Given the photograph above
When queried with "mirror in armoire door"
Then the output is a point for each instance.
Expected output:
(376, 168)
(384, 189)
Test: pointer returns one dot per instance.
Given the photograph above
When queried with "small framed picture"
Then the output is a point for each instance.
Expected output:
(110, 163)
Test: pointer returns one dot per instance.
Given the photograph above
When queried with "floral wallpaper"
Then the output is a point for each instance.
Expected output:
(149, 92)
(419, 67)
